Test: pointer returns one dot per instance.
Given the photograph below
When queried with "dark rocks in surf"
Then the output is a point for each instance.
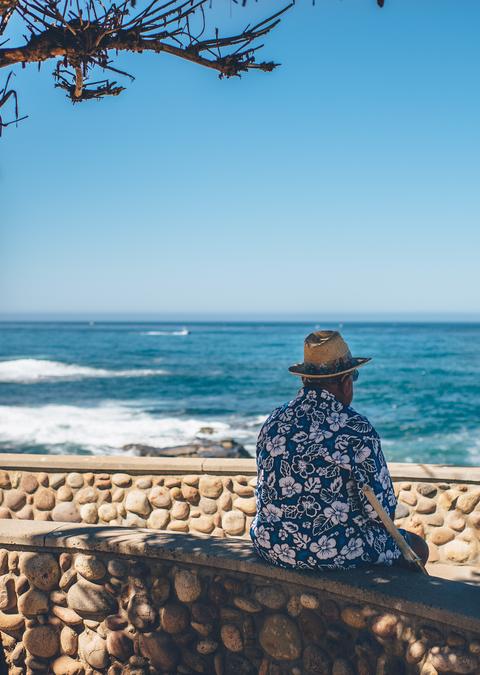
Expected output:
(205, 448)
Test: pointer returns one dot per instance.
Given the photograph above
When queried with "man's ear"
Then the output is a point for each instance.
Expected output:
(347, 387)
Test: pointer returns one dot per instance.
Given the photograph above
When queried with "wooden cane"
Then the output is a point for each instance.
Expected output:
(407, 552)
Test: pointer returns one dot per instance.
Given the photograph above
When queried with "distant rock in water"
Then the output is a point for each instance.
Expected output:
(205, 448)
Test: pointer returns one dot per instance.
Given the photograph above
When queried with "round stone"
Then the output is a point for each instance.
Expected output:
(441, 535)
(41, 569)
(41, 641)
(33, 602)
(272, 597)
(191, 479)
(280, 638)
(121, 479)
(89, 567)
(468, 501)
(89, 513)
(416, 651)
(44, 499)
(385, 625)
(28, 483)
(210, 486)
(459, 551)
(75, 480)
(8, 596)
(68, 641)
(107, 512)
(91, 600)
(132, 520)
(427, 489)
(247, 605)
(67, 615)
(207, 505)
(119, 645)
(117, 568)
(190, 494)
(309, 601)
(56, 479)
(5, 480)
(158, 519)
(172, 482)
(142, 614)
(243, 490)
(180, 510)
(94, 649)
(160, 650)
(401, 511)
(187, 586)
(207, 646)
(137, 502)
(87, 495)
(178, 526)
(407, 497)
(65, 665)
(15, 499)
(203, 524)
(64, 494)
(11, 622)
(160, 497)
(143, 483)
(66, 512)
(247, 505)
(174, 617)
(231, 637)
(426, 505)
(233, 522)
(225, 502)
(456, 521)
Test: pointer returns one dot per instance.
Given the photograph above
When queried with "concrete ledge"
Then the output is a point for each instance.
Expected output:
(191, 465)
(454, 604)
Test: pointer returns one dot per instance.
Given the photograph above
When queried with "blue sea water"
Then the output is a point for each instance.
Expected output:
(93, 388)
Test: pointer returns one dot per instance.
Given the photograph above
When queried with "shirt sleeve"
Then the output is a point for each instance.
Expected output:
(370, 468)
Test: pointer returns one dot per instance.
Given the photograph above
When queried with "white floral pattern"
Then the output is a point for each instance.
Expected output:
(313, 456)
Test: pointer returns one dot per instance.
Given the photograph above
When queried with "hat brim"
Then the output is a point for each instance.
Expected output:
(302, 370)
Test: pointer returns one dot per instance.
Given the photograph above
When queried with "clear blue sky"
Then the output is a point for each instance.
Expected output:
(347, 181)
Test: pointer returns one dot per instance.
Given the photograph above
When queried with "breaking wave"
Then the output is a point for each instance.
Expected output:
(28, 371)
(182, 332)
(103, 429)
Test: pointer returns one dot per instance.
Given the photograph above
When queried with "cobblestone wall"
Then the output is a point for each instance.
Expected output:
(74, 613)
(447, 514)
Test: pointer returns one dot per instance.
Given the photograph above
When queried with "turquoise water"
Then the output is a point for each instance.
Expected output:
(93, 388)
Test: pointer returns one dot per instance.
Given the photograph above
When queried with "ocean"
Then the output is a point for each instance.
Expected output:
(92, 388)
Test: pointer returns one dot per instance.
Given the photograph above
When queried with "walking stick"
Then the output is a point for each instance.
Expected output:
(407, 552)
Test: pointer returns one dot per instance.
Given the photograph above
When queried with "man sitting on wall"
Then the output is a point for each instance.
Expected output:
(313, 455)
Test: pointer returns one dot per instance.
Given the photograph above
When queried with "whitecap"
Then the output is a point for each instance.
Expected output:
(182, 332)
(102, 429)
(28, 371)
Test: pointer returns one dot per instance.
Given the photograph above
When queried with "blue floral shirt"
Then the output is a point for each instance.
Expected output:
(313, 455)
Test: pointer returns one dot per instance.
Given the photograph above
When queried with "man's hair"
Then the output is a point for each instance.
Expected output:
(319, 382)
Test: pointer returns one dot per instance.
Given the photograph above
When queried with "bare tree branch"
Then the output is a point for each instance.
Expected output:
(84, 35)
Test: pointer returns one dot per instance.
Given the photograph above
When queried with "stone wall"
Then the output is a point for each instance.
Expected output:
(79, 599)
(216, 497)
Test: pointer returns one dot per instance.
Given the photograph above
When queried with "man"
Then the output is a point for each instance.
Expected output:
(313, 456)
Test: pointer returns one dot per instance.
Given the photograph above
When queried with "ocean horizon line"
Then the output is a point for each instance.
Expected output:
(239, 318)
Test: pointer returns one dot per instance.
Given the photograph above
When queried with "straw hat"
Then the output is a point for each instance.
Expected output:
(326, 354)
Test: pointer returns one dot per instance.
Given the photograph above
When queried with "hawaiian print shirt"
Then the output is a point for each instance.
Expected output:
(313, 455)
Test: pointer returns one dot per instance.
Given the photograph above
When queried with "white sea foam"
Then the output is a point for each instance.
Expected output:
(28, 371)
(102, 429)
(182, 332)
